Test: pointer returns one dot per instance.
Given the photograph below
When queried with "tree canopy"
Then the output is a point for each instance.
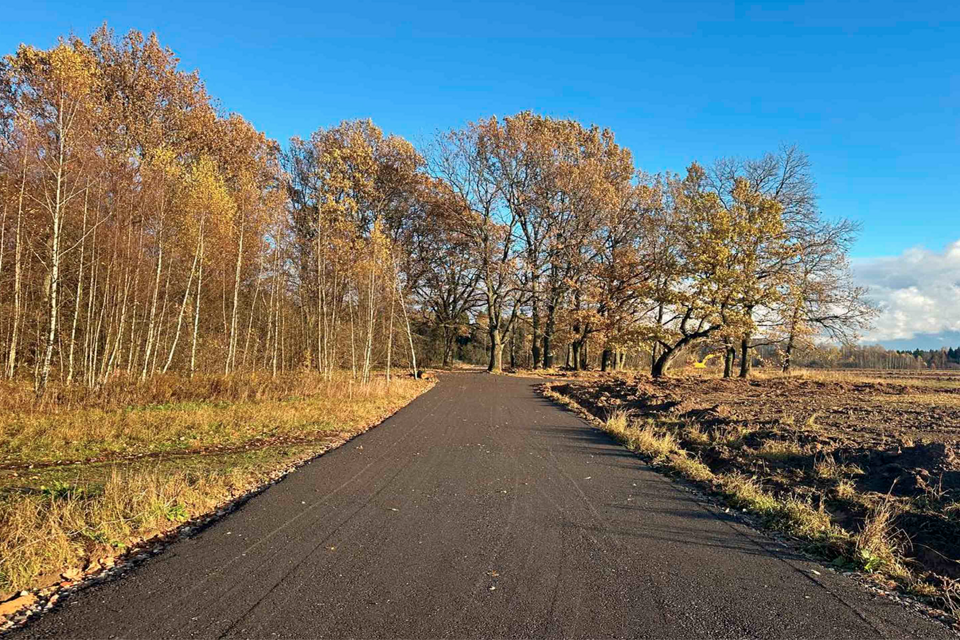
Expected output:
(144, 231)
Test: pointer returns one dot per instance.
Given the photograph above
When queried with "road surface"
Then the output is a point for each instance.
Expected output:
(480, 510)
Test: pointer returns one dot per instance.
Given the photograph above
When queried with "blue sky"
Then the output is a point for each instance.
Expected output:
(870, 90)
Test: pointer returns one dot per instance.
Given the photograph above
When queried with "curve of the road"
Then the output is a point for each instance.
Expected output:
(479, 510)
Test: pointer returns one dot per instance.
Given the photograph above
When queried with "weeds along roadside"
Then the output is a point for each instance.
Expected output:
(874, 550)
(63, 519)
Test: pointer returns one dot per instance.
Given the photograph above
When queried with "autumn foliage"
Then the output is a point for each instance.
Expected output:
(143, 231)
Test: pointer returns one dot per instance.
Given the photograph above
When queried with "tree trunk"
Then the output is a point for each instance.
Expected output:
(794, 322)
(161, 325)
(151, 324)
(78, 294)
(253, 308)
(54, 273)
(57, 213)
(17, 278)
(662, 364)
(549, 359)
(448, 339)
(535, 350)
(110, 354)
(368, 354)
(91, 336)
(729, 354)
(232, 342)
(406, 321)
(196, 310)
(745, 356)
(278, 332)
(321, 307)
(353, 339)
(390, 335)
(605, 360)
(186, 297)
(496, 350)
(788, 354)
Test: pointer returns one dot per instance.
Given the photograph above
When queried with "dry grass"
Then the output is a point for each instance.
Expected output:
(659, 444)
(791, 515)
(878, 545)
(62, 528)
(125, 391)
(734, 436)
(694, 435)
(845, 490)
(651, 441)
(617, 424)
(60, 518)
(922, 379)
(780, 451)
(949, 400)
(811, 422)
(178, 417)
(745, 492)
(690, 468)
(826, 468)
(646, 439)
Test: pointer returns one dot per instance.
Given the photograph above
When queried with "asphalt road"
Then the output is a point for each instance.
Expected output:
(480, 510)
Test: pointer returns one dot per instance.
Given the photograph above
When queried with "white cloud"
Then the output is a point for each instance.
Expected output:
(918, 291)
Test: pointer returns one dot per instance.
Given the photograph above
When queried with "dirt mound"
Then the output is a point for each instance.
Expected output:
(709, 416)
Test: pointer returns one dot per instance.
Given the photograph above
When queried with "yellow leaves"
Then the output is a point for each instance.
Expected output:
(68, 68)
(354, 172)
(207, 196)
(51, 88)
(72, 66)
(165, 162)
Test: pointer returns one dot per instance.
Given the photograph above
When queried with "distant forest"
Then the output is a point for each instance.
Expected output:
(874, 357)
